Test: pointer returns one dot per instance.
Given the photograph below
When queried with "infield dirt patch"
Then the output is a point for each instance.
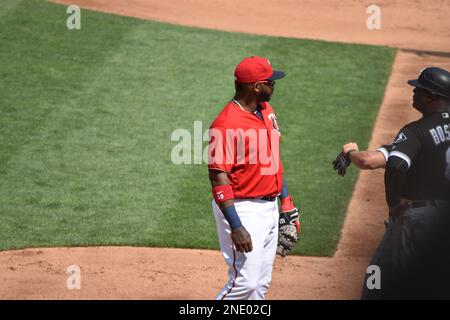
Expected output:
(156, 273)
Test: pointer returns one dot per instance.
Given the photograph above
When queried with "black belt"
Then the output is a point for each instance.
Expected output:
(414, 204)
(429, 203)
(269, 198)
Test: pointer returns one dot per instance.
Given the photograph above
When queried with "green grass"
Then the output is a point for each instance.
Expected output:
(86, 118)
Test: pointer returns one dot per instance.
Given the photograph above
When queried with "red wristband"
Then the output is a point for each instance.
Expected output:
(222, 193)
(287, 204)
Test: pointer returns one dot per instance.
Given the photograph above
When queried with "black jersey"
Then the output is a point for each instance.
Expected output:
(425, 146)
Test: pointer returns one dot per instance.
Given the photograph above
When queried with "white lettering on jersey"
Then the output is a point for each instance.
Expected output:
(447, 132)
(440, 134)
(445, 115)
(435, 136)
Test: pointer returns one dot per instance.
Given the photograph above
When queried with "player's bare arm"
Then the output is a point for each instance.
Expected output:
(366, 160)
(240, 237)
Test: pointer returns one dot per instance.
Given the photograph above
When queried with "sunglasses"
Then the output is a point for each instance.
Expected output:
(270, 83)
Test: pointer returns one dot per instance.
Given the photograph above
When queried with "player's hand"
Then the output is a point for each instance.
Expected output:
(289, 229)
(342, 161)
(241, 239)
(349, 147)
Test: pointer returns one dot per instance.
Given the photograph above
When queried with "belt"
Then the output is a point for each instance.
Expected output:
(269, 198)
(414, 204)
(428, 203)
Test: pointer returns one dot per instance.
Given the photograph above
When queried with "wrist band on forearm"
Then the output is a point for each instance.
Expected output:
(222, 193)
(284, 190)
(287, 204)
(232, 217)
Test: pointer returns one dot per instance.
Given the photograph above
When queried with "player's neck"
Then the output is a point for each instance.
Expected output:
(246, 103)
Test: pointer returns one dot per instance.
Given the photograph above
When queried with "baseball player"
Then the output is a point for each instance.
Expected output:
(246, 175)
(414, 255)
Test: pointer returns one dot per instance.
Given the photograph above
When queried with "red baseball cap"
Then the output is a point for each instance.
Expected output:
(254, 68)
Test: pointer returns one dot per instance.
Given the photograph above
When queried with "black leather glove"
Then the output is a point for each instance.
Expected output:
(341, 163)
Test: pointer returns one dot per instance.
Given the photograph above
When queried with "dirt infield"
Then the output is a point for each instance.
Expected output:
(415, 24)
(154, 273)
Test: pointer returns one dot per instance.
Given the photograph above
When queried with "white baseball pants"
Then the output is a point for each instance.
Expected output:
(249, 274)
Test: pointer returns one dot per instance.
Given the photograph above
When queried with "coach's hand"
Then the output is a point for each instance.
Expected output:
(342, 161)
(241, 239)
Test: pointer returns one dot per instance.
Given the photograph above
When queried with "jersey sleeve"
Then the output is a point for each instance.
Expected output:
(406, 145)
(385, 149)
(219, 156)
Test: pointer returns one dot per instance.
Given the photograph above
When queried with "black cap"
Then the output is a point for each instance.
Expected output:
(433, 79)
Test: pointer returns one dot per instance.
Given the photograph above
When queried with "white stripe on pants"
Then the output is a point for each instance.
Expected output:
(249, 274)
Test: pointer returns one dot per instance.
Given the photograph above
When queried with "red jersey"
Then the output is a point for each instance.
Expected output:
(247, 148)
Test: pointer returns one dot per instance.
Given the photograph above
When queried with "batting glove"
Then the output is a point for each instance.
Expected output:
(289, 227)
(341, 163)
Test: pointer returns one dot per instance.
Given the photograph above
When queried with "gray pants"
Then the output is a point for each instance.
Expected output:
(414, 256)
